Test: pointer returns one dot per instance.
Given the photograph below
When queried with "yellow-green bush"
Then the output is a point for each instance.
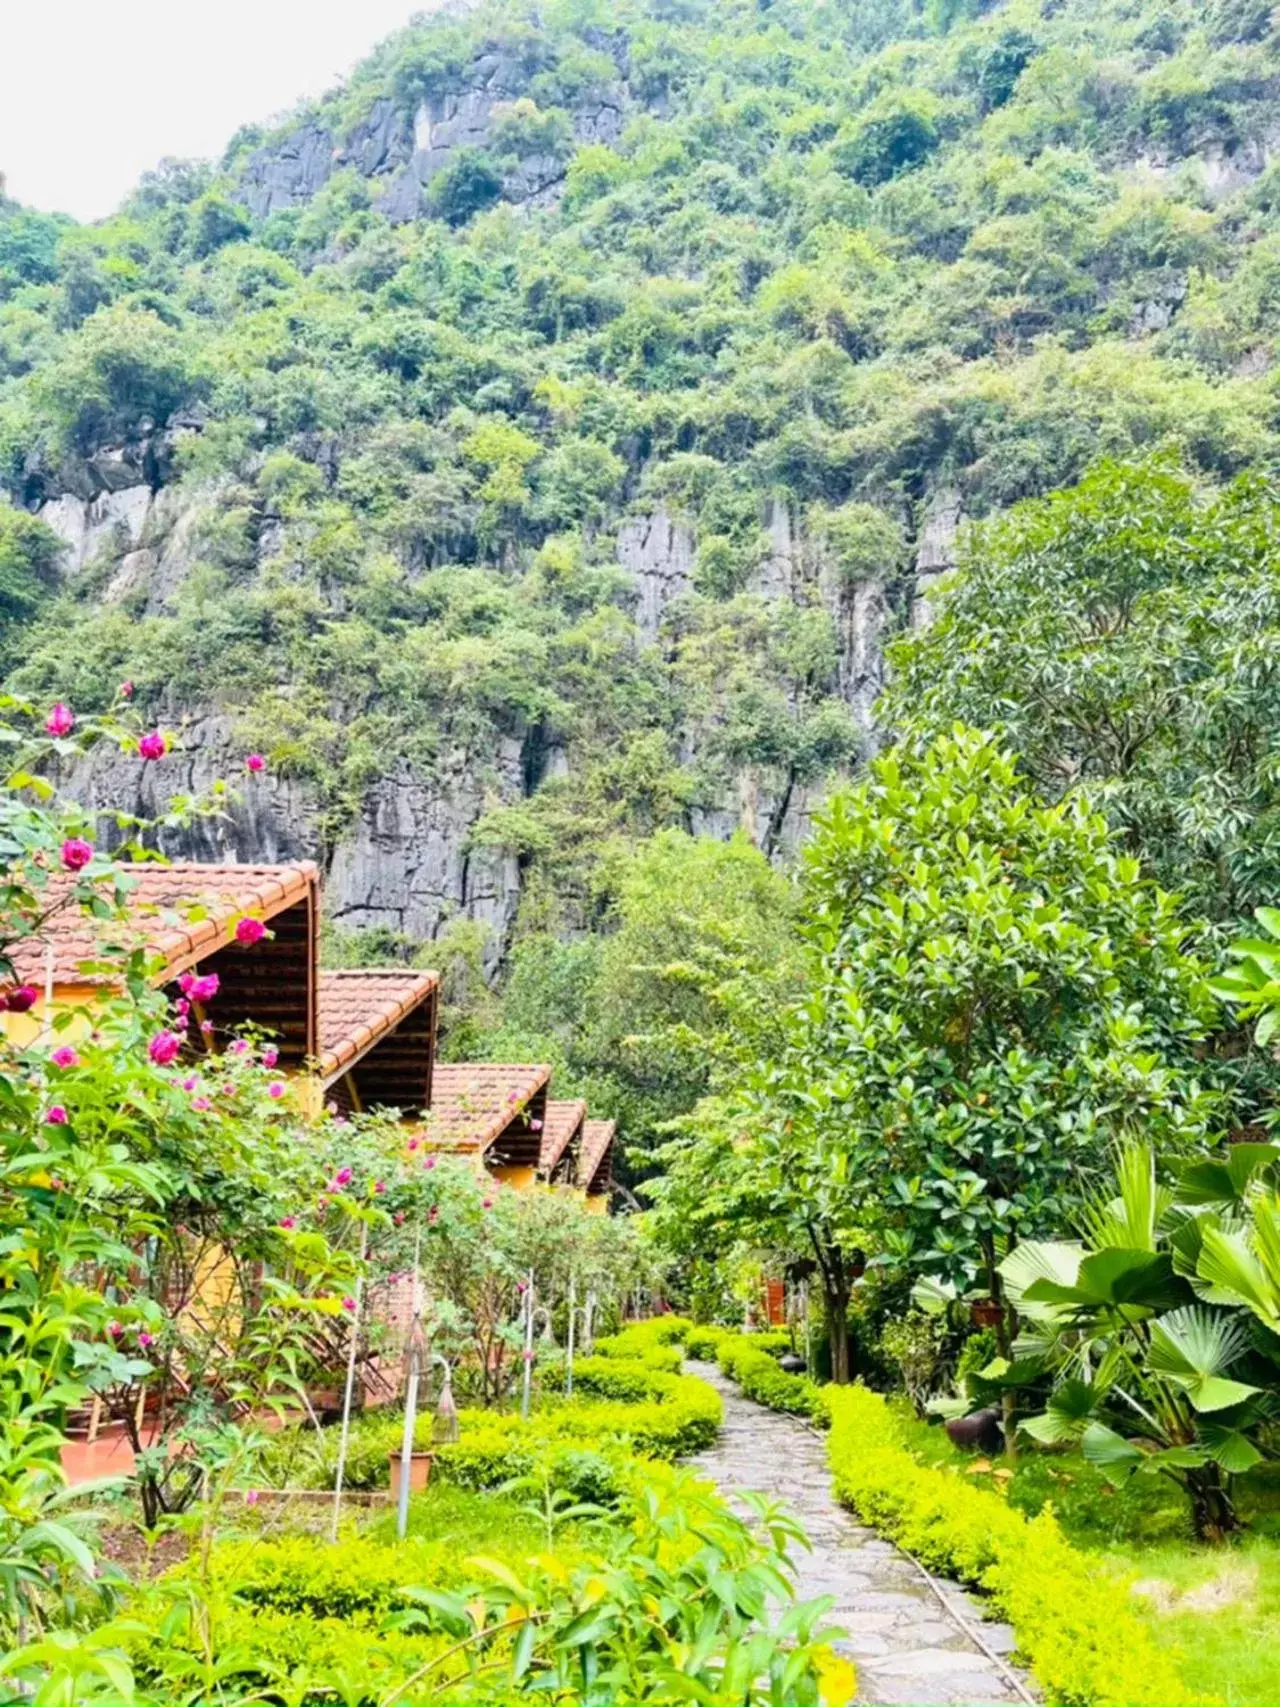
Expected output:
(743, 1359)
(1073, 1623)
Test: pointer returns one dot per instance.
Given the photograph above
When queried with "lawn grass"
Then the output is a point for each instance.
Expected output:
(1218, 1606)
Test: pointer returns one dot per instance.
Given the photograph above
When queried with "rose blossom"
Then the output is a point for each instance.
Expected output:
(115, 1330)
(275, 1089)
(206, 1026)
(65, 1057)
(342, 1177)
(204, 989)
(349, 1304)
(239, 1047)
(288, 1222)
(270, 1056)
(164, 1048)
(202, 1105)
(76, 853)
(23, 999)
(379, 1187)
(57, 1116)
(255, 762)
(126, 690)
(145, 1339)
(153, 746)
(249, 931)
(60, 721)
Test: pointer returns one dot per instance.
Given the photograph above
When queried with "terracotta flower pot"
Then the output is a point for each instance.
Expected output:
(419, 1472)
(986, 1313)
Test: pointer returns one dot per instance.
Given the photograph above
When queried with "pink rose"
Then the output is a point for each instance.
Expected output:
(164, 1048)
(398, 1217)
(342, 1177)
(413, 1144)
(239, 1047)
(23, 999)
(379, 1186)
(126, 690)
(190, 1084)
(430, 1161)
(57, 1116)
(76, 853)
(204, 989)
(185, 982)
(206, 1026)
(202, 1105)
(349, 1304)
(275, 1089)
(255, 762)
(270, 1056)
(153, 746)
(251, 1498)
(434, 1216)
(288, 1222)
(528, 1357)
(60, 720)
(535, 1126)
(65, 1057)
(145, 1339)
(115, 1330)
(487, 1204)
(250, 931)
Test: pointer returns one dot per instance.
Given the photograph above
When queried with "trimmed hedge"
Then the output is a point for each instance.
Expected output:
(1073, 1623)
(744, 1359)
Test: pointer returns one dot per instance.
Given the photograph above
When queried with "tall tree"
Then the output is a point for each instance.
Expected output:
(1124, 634)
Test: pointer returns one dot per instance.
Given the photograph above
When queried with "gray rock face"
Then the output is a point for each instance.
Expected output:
(657, 551)
(402, 152)
(404, 863)
(289, 171)
(112, 522)
(936, 552)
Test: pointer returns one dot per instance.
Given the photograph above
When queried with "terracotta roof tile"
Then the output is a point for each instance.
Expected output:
(560, 1126)
(359, 1008)
(597, 1136)
(473, 1102)
(158, 915)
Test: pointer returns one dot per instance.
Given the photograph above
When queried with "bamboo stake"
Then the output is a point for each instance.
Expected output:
(527, 1386)
(350, 1388)
(568, 1362)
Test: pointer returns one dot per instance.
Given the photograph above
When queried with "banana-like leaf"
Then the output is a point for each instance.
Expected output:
(1107, 1449)
(1144, 1279)
(1225, 1180)
(1230, 1448)
(1128, 1221)
(1193, 1347)
(933, 1296)
(1034, 1261)
(1072, 1408)
(1230, 1266)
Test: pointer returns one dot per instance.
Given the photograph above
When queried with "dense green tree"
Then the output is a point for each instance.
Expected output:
(1123, 635)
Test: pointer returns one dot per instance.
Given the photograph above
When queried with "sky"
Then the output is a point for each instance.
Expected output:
(92, 95)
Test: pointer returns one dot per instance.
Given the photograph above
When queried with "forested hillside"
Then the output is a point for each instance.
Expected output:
(533, 444)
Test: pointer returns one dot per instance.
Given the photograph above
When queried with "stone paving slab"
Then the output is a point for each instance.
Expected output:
(909, 1647)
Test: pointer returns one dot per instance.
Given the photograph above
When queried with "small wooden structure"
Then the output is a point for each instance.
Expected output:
(595, 1166)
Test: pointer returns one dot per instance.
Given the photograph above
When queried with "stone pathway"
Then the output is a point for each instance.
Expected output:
(909, 1648)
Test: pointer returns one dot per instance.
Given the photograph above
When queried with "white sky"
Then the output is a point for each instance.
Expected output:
(92, 94)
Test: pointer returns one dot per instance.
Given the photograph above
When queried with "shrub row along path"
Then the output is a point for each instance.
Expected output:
(909, 1644)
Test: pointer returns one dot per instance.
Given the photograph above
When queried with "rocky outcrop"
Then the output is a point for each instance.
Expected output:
(936, 549)
(657, 551)
(404, 863)
(111, 523)
(401, 151)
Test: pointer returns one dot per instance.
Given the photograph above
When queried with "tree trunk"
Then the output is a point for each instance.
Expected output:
(1212, 1510)
(835, 1298)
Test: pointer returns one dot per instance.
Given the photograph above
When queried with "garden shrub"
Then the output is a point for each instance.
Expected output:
(1074, 1624)
(757, 1373)
(703, 1343)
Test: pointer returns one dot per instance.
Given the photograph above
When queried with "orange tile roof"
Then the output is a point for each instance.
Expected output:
(559, 1125)
(597, 1135)
(160, 900)
(359, 1008)
(473, 1102)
